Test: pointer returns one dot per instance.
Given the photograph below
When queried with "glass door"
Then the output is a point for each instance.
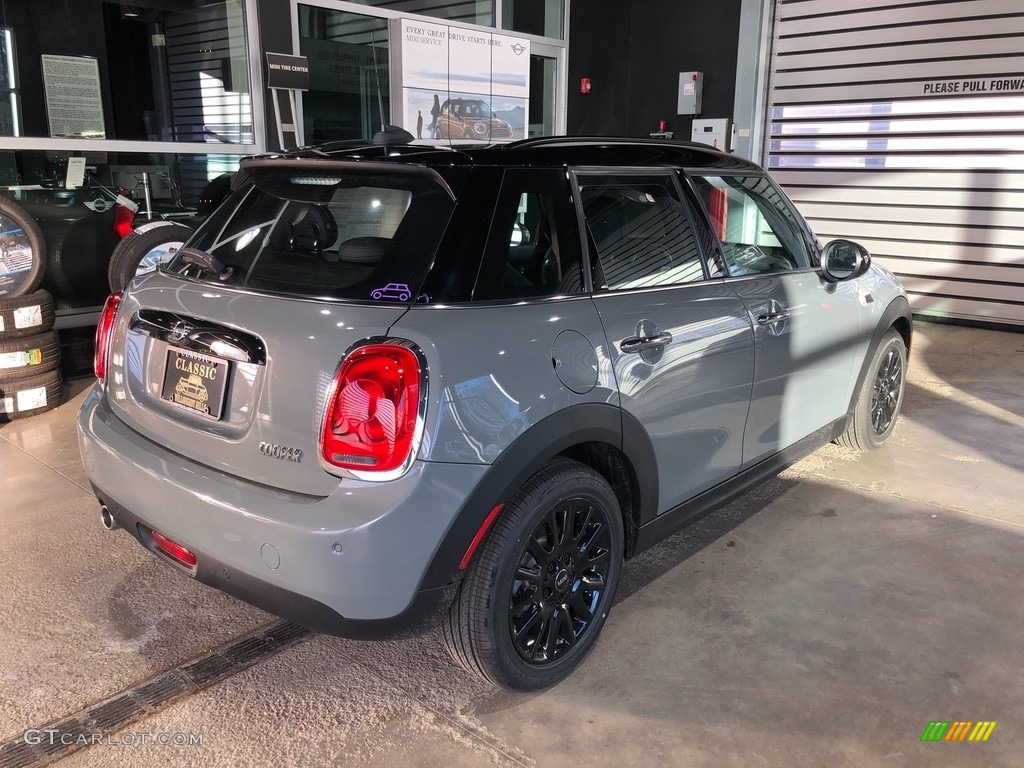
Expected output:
(547, 90)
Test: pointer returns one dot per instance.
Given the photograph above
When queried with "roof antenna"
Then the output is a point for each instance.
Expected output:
(388, 134)
(376, 76)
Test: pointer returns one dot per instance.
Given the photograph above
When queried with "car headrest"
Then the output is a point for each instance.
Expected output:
(312, 229)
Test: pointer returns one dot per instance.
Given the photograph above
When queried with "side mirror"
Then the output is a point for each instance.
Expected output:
(844, 260)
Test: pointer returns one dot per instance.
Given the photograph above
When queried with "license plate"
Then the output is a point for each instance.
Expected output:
(194, 381)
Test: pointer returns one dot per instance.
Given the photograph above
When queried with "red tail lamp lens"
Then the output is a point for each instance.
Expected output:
(173, 550)
(104, 332)
(370, 422)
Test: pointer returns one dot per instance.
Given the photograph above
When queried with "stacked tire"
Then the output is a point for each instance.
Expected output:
(30, 380)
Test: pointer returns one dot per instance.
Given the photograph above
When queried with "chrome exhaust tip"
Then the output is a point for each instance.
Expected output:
(107, 520)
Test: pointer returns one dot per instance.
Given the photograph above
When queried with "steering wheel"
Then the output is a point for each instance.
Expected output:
(753, 259)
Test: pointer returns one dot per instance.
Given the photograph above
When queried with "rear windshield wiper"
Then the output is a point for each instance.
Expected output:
(207, 263)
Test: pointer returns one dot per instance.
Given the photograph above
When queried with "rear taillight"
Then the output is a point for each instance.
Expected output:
(104, 331)
(372, 415)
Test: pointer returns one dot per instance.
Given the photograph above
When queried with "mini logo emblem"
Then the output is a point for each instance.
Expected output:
(562, 580)
(518, 49)
(180, 330)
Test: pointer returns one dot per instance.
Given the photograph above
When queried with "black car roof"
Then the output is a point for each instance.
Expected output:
(551, 151)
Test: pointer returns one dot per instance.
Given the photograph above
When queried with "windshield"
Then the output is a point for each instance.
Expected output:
(323, 233)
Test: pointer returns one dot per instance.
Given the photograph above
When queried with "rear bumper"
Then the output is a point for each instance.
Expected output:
(427, 609)
(351, 563)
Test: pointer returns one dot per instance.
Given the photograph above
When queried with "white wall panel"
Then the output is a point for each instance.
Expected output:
(949, 49)
(808, 18)
(944, 257)
(829, 36)
(959, 308)
(922, 230)
(926, 268)
(796, 10)
(901, 125)
(983, 219)
(829, 71)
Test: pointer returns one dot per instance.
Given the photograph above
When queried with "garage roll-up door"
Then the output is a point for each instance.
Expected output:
(901, 125)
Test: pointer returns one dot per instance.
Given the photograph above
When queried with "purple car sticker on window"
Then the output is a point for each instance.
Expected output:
(398, 291)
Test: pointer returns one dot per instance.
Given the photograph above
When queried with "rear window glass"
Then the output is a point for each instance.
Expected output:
(350, 235)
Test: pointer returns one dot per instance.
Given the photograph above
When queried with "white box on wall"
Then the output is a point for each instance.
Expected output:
(714, 132)
(691, 88)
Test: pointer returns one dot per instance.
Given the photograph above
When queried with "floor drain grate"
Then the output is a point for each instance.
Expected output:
(121, 710)
(209, 669)
(107, 717)
(16, 754)
(254, 648)
(166, 687)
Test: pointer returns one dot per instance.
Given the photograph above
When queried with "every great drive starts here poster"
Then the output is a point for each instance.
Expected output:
(457, 85)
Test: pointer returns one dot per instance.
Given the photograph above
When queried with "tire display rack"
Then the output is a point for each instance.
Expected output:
(30, 379)
(83, 262)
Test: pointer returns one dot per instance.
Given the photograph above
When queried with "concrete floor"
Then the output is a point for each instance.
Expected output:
(822, 620)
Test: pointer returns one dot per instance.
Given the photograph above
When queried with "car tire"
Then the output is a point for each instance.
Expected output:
(141, 250)
(26, 315)
(564, 525)
(29, 355)
(880, 397)
(80, 256)
(15, 219)
(30, 395)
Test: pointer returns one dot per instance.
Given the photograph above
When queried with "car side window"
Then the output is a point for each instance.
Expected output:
(533, 249)
(641, 231)
(758, 231)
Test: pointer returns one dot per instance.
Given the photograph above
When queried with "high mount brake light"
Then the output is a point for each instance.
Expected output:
(104, 332)
(370, 423)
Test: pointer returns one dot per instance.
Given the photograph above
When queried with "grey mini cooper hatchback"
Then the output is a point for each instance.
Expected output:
(386, 387)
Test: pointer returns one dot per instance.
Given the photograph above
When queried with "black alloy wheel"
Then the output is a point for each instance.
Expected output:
(880, 397)
(538, 592)
(887, 391)
(560, 581)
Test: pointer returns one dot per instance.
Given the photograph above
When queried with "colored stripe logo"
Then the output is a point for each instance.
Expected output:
(958, 730)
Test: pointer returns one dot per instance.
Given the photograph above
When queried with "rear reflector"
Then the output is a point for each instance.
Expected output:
(481, 532)
(173, 550)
